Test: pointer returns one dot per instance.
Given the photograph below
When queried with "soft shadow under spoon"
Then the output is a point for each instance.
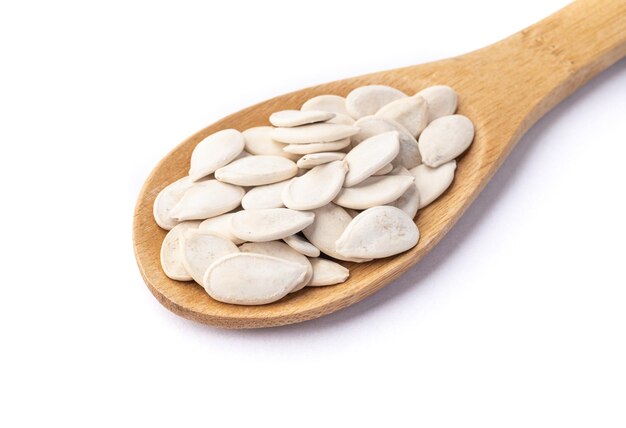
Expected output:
(504, 88)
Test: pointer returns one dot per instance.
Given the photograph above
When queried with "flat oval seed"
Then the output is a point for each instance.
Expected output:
(302, 246)
(410, 112)
(252, 279)
(367, 100)
(199, 249)
(314, 133)
(330, 222)
(441, 99)
(220, 225)
(374, 191)
(291, 118)
(171, 256)
(384, 170)
(314, 159)
(316, 188)
(408, 156)
(326, 272)
(409, 202)
(332, 103)
(378, 232)
(207, 199)
(167, 199)
(257, 170)
(445, 138)
(214, 152)
(305, 149)
(432, 182)
(370, 156)
(282, 251)
(267, 196)
(269, 224)
(342, 119)
(259, 142)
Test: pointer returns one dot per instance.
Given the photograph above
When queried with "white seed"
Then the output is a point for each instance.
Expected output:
(291, 118)
(207, 199)
(410, 112)
(269, 224)
(167, 199)
(282, 251)
(302, 246)
(432, 182)
(215, 151)
(330, 222)
(314, 133)
(332, 103)
(326, 272)
(267, 196)
(257, 170)
(342, 119)
(305, 149)
(374, 191)
(252, 279)
(171, 255)
(367, 100)
(409, 202)
(316, 188)
(441, 99)
(445, 138)
(408, 156)
(370, 156)
(314, 159)
(384, 170)
(199, 249)
(259, 142)
(378, 232)
(220, 225)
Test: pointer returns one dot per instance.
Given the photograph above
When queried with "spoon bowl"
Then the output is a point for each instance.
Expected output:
(503, 88)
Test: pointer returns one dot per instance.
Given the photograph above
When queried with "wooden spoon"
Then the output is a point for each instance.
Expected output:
(504, 88)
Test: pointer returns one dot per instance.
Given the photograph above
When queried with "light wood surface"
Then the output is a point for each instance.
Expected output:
(504, 88)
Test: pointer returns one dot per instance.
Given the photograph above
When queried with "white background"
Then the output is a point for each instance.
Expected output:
(516, 319)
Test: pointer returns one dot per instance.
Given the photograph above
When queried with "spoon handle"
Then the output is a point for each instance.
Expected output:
(530, 72)
(519, 79)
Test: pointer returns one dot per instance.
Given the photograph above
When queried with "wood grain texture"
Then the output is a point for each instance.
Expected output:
(504, 88)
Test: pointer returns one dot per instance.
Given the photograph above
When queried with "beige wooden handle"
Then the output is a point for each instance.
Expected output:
(587, 33)
(536, 68)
